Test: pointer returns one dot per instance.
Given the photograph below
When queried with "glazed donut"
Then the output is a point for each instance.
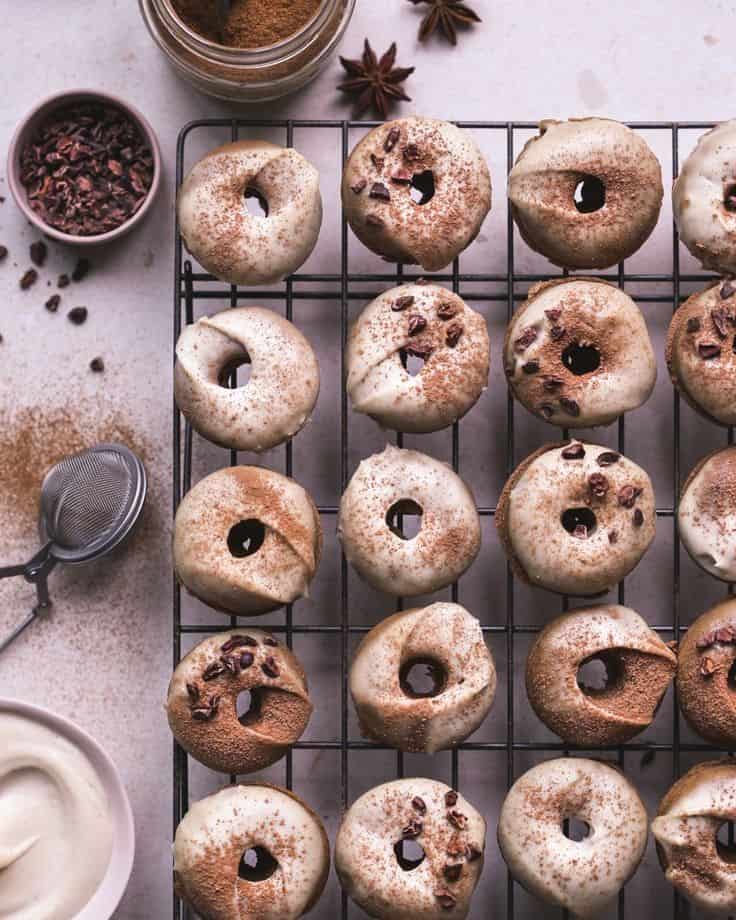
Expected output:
(228, 241)
(221, 836)
(706, 655)
(404, 481)
(706, 516)
(685, 829)
(576, 518)
(430, 323)
(578, 354)
(417, 190)
(202, 703)
(247, 540)
(585, 193)
(278, 399)
(582, 876)
(700, 352)
(704, 199)
(446, 641)
(375, 871)
(639, 669)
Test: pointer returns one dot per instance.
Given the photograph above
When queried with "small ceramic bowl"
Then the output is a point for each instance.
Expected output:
(104, 902)
(27, 129)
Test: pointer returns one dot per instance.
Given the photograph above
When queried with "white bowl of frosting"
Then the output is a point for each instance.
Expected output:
(66, 828)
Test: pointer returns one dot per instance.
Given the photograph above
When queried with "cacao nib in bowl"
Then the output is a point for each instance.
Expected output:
(84, 167)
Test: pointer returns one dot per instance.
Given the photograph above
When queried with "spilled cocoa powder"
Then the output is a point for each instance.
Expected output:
(250, 23)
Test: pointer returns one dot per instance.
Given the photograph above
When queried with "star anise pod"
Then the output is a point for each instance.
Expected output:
(375, 82)
(446, 15)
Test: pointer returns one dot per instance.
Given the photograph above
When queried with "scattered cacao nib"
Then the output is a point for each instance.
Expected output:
(359, 186)
(608, 458)
(531, 367)
(728, 289)
(401, 303)
(379, 191)
(546, 410)
(246, 660)
(63, 281)
(29, 279)
(445, 900)
(452, 871)
(77, 315)
(526, 338)
(38, 252)
(412, 830)
(598, 485)
(81, 269)
(270, 668)
(447, 310)
(52, 304)
(412, 153)
(638, 517)
(556, 333)
(377, 161)
(573, 452)
(401, 177)
(97, 365)
(3, 253)
(269, 640)
(613, 537)
(232, 663)
(553, 315)
(708, 350)
(457, 819)
(451, 798)
(373, 220)
(87, 169)
(417, 324)
(193, 691)
(628, 495)
(707, 667)
(720, 319)
(473, 853)
(418, 804)
(238, 641)
(693, 324)
(392, 139)
(420, 349)
(552, 384)
(213, 670)
(580, 532)
(453, 333)
(570, 406)
(206, 713)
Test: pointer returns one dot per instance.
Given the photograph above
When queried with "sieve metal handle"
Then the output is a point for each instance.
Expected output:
(36, 571)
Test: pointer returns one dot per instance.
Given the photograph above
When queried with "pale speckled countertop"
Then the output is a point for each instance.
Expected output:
(104, 658)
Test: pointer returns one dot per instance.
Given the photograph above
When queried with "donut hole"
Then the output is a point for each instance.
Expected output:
(589, 194)
(576, 829)
(725, 845)
(421, 187)
(729, 197)
(581, 359)
(227, 378)
(599, 673)
(422, 678)
(248, 706)
(255, 203)
(580, 522)
(412, 364)
(257, 865)
(246, 538)
(409, 854)
(404, 519)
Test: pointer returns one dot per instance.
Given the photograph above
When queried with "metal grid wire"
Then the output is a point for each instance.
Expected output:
(191, 286)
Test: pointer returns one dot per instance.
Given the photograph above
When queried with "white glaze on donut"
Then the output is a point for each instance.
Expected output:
(450, 638)
(376, 191)
(225, 238)
(557, 479)
(542, 186)
(216, 832)
(706, 226)
(282, 390)
(446, 545)
(447, 827)
(685, 829)
(282, 568)
(707, 514)
(558, 317)
(452, 339)
(582, 876)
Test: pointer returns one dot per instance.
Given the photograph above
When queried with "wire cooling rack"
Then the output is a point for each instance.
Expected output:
(505, 289)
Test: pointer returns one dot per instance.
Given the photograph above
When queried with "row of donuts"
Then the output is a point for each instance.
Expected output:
(415, 847)
(586, 193)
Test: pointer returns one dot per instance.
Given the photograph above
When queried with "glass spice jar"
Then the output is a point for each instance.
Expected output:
(253, 74)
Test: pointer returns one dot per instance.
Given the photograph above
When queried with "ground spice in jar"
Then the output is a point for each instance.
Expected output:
(250, 23)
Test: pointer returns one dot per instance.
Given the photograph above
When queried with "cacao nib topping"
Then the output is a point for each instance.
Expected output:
(401, 303)
(447, 310)
(412, 830)
(270, 668)
(231, 663)
(81, 269)
(213, 670)
(453, 333)
(238, 641)
(526, 338)
(708, 350)
(193, 692)
(359, 186)
(418, 804)
(452, 872)
(379, 191)
(720, 319)
(557, 332)
(570, 406)
(693, 324)
(269, 640)
(419, 349)
(417, 324)
(638, 517)
(598, 485)
(553, 315)
(451, 798)
(473, 853)
(52, 304)
(3, 253)
(573, 452)
(208, 712)
(246, 660)
(552, 384)
(546, 410)
(531, 367)
(401, 177)
(28, 279)
(728, 289)
(373, 220)
(63, 281)
(580, 532)
(392, 139)
(628, 495)
(445, 900)
(457, 819)
(613, 537)
(97, 365)
(77, 315)
(377, 161)
(412, 153)
(38, 251)
(707, 667)
(608, 458)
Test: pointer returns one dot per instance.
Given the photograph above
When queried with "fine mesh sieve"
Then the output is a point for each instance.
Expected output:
(89, 503)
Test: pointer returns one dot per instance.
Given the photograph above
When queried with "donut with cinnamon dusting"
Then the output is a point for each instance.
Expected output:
(639, 669)
(417, 190)
(686, 828)
(706, 515)
(247, 540)
(585, 193)
(707, 654)
(578, 354)
(701, 352)
(434, 325)
(412, 848)
(251, 852)
(397, 482)
(202, 703)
